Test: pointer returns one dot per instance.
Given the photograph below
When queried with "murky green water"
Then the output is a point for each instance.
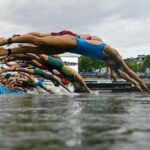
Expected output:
(109, 121)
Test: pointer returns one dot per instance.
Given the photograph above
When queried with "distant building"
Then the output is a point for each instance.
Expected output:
(139, 59)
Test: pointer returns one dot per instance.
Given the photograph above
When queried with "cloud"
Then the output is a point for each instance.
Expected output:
(124, 24)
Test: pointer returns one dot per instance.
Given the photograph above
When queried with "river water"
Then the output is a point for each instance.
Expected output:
(107, 121)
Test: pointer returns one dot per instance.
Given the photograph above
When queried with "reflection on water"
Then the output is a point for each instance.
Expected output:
(116, 121)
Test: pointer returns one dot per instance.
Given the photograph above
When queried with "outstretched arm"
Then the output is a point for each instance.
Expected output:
(80, 80)
(127, 78)
(115, 56)
(19, 88)
(33, 56)
(111, 74)
(134, 76)
(48, 89)
(35, 63)
(47, 76)
(56, 79)
(29, 71)
(34, 80)
(29, 76)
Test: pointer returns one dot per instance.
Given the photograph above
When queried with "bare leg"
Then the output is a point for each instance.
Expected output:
(59, 42)
(39, 34)
(29, 49)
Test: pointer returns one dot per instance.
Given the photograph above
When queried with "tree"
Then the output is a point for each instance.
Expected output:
(146, 63)
(133, 65)
(87, 64)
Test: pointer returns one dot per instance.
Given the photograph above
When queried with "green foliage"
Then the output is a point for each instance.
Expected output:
(139, 67)
(134, 66)
(146, 63)
(87, 64)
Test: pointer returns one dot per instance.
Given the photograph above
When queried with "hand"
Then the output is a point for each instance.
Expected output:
(139, 87)
(144, 87)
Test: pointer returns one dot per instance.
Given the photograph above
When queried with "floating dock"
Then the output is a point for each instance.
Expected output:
(114, 86)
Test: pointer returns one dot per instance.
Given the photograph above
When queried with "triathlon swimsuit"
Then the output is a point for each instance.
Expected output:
(54, 63)
(42, 73)
(57, 73)
(83, 47)
(86, 49)
(54, 71)
(66, 71)
(39, 72)
(37, 82)
(40, 83)
(116, 66)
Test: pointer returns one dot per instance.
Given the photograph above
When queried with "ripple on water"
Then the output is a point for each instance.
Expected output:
(80, 121)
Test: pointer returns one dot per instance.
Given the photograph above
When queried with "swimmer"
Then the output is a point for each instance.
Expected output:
(60, 44)
(39, 72)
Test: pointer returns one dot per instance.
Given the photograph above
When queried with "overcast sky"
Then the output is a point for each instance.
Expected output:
(123, 24)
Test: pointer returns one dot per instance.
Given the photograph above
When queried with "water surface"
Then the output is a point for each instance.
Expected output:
(107, 121)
